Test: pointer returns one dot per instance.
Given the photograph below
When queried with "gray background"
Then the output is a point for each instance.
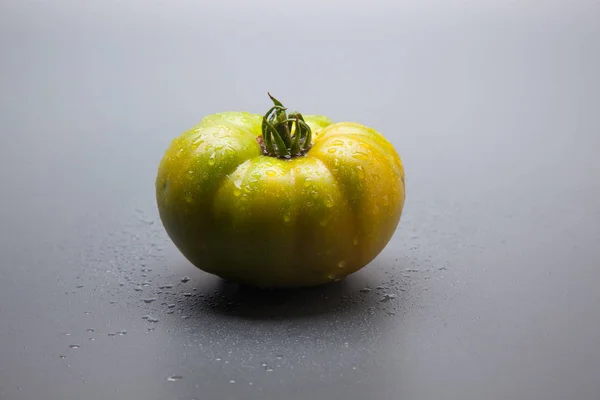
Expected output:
(493, 107)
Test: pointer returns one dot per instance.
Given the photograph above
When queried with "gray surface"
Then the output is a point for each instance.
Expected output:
(496, 264)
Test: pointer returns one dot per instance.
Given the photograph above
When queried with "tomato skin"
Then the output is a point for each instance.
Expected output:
(272, 222)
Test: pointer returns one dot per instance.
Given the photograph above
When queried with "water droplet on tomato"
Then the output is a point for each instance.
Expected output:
(211, 159)
(360, 155)
(270, 172)
(337, 143)
(331, 150)
(361, 172)
(342, 264)
(334, 277)
(386, 200)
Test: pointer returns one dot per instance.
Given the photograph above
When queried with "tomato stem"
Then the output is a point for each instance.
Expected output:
(284, 136)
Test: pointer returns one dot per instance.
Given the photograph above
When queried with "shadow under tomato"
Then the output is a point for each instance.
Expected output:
(354, 294)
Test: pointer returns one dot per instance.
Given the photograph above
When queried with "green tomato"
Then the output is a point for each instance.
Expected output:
(280, 200)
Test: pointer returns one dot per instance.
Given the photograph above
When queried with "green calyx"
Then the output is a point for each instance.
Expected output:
(283, 135)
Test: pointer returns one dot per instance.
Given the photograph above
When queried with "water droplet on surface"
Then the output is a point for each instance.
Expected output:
(174, 378)
(388, 296)
(185, 279)
(270, 172)
(187, 294)
(346, 345)
(74, 346)
(90, 330)
(218, 358)
(237, 192)
(79, 286)
(168, 286)
(171, 305)
(149, 300)
(232, 381)
(337, 143)
(63, 357)
(331, 150)
(269, 369)
(138, 288)
(365, 290)
(342, 264)
(328, 202)
(279, 357)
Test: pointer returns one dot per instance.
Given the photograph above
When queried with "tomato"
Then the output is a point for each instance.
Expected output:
(280, 200)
